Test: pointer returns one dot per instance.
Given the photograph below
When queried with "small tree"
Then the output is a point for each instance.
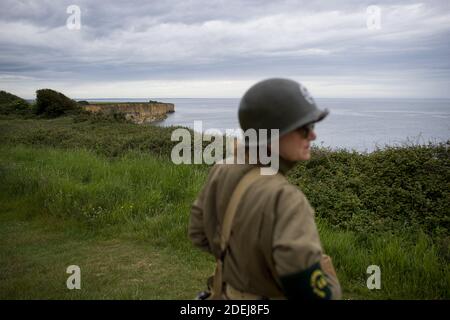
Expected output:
(54, 104)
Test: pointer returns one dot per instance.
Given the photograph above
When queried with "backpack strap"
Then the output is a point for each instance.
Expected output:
(227, 222)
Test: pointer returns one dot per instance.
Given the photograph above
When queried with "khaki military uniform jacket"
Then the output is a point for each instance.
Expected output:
(273, 233)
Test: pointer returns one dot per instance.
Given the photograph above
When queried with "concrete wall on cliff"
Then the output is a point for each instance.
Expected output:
(136, 112)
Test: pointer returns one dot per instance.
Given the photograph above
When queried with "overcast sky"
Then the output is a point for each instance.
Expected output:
(206, 48)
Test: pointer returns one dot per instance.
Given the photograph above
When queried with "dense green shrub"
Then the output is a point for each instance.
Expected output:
(13, 105)
(393, 189)
(98, 132)
(51, 103)
(6, 97)
(100, 117)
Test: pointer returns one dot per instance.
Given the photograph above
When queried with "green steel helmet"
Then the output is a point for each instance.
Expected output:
(278, 104)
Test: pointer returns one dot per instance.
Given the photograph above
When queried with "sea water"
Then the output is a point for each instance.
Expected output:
(359, 124)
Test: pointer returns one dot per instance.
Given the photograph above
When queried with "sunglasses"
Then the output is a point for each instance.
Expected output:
(306, 130)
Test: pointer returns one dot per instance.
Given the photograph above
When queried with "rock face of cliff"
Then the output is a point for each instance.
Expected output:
(136, 112)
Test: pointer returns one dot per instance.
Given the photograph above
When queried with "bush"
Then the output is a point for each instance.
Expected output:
(101, 117)
(52, 104)
(395, 189)
(98, 132)
(11, 104)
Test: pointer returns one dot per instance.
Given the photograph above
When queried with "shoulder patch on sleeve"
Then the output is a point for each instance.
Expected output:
(309, 284)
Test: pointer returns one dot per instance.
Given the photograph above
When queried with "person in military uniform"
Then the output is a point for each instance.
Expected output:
(272, 249)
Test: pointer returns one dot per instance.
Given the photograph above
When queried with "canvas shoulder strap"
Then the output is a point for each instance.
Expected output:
(230, 213)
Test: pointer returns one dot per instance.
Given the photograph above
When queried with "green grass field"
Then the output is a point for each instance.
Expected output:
(123, 220)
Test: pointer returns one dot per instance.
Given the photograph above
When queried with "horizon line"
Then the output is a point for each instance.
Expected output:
(124, 98)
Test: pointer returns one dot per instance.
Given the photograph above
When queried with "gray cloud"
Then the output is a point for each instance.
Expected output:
(227, 40)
